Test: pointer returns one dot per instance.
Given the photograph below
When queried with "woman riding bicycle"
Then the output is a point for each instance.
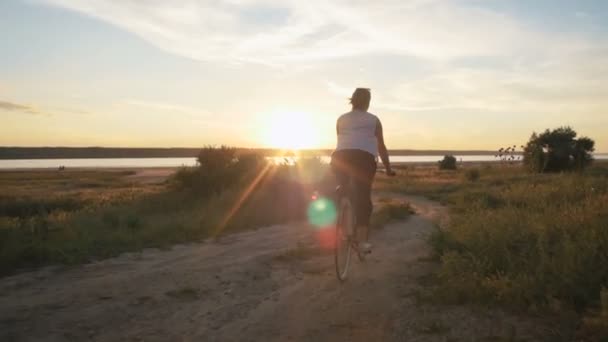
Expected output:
(360, 140)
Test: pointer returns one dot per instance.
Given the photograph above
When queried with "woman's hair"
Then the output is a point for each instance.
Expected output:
(361, 98)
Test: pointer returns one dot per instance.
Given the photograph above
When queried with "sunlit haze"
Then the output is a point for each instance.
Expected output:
(461, 74)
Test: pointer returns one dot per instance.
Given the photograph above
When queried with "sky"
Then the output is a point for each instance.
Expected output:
(444, 74)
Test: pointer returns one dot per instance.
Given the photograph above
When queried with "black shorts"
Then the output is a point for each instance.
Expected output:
(361, 167)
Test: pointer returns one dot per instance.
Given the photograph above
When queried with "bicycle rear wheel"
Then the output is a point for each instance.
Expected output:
(344, 235)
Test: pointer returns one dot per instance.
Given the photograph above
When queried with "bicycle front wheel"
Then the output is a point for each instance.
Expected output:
(344, 235)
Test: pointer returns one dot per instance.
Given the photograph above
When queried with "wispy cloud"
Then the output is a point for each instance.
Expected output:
(67, 110)
(191, 114)
(17, 107)
(167, 107)
(565, 85)
(337, 89)
(418, 55)
(576, 84)
(283, 31)
(40, 110)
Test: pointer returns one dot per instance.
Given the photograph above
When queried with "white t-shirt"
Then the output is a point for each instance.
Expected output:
(357, 130)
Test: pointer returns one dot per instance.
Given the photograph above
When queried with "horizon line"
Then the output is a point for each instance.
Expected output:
(254, 148)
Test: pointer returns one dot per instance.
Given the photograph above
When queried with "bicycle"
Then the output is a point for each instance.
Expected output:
(346, 236)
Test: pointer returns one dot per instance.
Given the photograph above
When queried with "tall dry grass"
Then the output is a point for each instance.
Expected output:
(520, 240)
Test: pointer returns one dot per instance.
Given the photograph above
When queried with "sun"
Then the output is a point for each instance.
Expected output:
(291, 131)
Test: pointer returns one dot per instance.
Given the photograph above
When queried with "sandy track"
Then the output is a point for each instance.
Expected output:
(248, 287)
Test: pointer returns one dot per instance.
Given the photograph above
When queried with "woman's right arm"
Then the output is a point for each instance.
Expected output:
(382, 150)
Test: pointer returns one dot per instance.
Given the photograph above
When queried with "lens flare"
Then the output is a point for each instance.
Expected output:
(321, 213)
(326, 237)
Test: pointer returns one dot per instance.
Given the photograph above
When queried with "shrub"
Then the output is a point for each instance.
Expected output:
(508, 154)
(448, 163)
(558, 150)
(472, 175)
(218, 169)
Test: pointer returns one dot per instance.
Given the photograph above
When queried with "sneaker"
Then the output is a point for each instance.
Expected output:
(366, 247)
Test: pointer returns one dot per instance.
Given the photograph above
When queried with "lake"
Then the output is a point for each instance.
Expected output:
(176, 162)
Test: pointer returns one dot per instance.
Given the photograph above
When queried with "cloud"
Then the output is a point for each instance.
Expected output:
(278, 32)
(193, 115)
(419, 55)
(67, 110)
(338, 90)
(168, 107)
(16, 107)
(35, 110)
(574, 85)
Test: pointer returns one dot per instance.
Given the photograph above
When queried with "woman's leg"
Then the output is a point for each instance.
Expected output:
(366, 172)
(340, 167)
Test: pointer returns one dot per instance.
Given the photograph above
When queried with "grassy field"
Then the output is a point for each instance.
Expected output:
(75, 216)
(537, 242)
(51, 216)
(514, 239)
(71, 217)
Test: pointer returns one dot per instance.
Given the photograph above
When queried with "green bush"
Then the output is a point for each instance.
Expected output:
(447, 163)
(218, 169)
(558, 150)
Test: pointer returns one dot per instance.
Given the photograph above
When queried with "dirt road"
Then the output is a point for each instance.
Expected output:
(272, 284)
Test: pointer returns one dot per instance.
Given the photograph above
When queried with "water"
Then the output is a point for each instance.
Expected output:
(176, 162)
(95, 163)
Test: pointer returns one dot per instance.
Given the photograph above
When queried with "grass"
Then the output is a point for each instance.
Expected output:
(29, 193)
(421, 180)
(53, 217)
(388, 212)
(519, 240)
(158, 220)
(72, 217)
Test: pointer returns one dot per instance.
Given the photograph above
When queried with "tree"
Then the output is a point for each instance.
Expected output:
(558, 150)
(447, 163)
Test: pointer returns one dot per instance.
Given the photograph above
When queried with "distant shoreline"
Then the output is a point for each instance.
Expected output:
(117, 152)
(171, 169)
